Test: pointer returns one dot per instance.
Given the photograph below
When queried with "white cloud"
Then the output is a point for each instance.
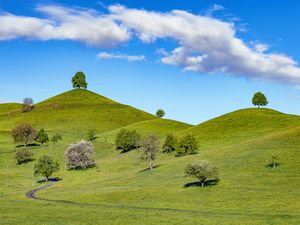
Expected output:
(130, 58)
(205, 44)
(65, 24)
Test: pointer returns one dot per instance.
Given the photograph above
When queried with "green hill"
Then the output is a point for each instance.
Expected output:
(120, 191)
(77, 110)
(9, 107)
(241, 125)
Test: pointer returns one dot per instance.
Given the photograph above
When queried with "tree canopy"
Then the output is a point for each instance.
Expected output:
(127, 140)
(23, 133)
(79, 81)
(188, 145)
(150, 146)
(259, 99)
(160, 113)
(42, 137)
(46, 166)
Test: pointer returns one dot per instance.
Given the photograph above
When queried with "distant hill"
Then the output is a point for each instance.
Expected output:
(9, 107)
(241, 125)
(75, 111)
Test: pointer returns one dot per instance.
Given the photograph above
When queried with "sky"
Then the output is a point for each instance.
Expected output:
(196, 59)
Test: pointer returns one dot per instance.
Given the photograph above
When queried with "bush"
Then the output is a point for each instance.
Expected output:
(42, 137)
(23, 156)
(127, 140)
(80, 156)
(188, 145)
(170, 144)
(46, 167)
(202, 171)
(56, 137)
(91, 135)
(23, 133)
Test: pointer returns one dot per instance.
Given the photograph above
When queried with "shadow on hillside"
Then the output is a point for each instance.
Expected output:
(148, 169)
(198, 183)
(54, 179)
(29, 145)
(25, 161)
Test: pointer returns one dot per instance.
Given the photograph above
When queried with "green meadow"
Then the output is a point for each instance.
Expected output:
(119, 190)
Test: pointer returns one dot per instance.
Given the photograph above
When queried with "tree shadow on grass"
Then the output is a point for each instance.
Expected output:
(148, 169)
(25, 161)
(198, 183)
(54, 179)
(29, 145)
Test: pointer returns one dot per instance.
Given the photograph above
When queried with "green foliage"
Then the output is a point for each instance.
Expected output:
(91, 135)
(170, 144)
(46, 166)
(127, 140)
(42, 137)
(259, 99)
(160, 113)
(188, 145)
(23, 156)
(80, 155)
(79, 81)
(150, 147)
(23, 133)
(56, 137)
(202, 171)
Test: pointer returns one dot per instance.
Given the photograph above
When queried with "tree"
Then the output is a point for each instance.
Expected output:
(46, 166)
(42, 137)
(27, 105)
(23, 156)
(170, 144)
(91, 135)
(79, 81)
(56, 137)
(202, 171)
(160, 113)
(80, 155)
(150, 146)
(23, 133)
(188, 145)
(273, 162)
(127, 140)
(259, 99)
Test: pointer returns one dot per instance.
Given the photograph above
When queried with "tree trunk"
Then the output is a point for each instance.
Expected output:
(202, 184)
(274, 165)
(150, 165)
(47, 178)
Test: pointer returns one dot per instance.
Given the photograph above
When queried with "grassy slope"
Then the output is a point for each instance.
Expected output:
(241, 125)
(9, 107)
(239, 144)
(77, 111)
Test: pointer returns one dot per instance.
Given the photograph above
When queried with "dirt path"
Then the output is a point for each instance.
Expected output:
(31, 195)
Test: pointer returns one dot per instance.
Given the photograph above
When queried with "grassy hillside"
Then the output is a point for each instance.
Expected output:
(241, 125)
(159, 127)
(77, 111)
(9, 107)
(120, 191)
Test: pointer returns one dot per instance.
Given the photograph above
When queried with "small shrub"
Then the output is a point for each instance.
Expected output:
(23, 156)
(56, 137)
(170, 144)
(42, 137)
(91, 135)
(127, 140)
(273, 162)
(188, 145)
(80, 155)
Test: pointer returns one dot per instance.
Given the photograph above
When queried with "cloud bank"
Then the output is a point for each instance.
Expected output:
(205, 44)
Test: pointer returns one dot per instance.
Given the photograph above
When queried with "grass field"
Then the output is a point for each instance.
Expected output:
(120, 191)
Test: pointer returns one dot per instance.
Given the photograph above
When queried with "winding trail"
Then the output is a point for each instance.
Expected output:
(31, 194)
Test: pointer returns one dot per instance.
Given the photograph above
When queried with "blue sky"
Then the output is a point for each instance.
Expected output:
(202, 60)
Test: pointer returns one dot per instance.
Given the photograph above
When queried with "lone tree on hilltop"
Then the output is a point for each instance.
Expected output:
(42, 137)
(46, 166)
(80, 155)
(150, 146)
(170, 144)
(79, 81)
(188, 145)
(160, 113)
(259, 99)
(27, 105)
(202, 171)
(23, 133)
